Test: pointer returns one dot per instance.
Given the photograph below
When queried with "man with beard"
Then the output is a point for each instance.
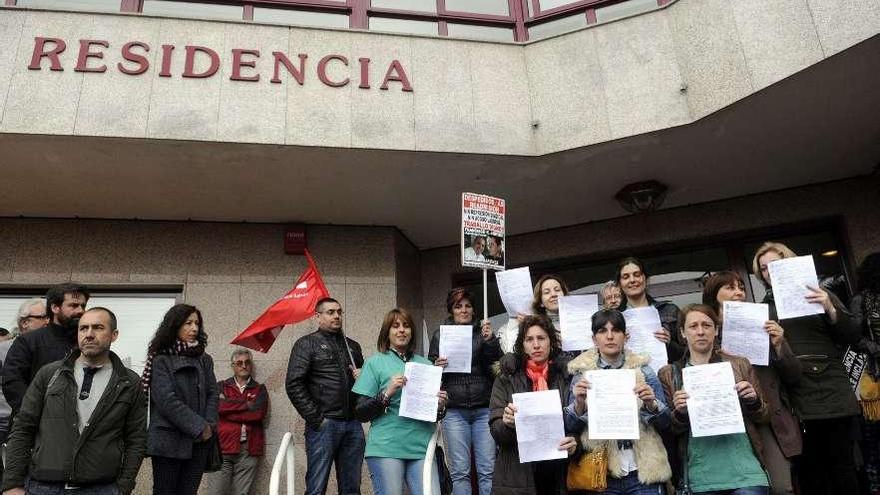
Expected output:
(65, 304)
(92, 391)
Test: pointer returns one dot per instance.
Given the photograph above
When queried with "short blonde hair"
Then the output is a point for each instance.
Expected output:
(777, 247)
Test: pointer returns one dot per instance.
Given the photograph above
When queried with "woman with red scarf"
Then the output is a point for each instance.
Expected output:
(535, 364)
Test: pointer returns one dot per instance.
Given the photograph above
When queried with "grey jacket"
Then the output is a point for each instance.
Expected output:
(183, 399)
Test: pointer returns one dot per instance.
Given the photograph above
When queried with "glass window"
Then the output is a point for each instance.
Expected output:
(88, 5)
(493, 7)
(192, 9)
(558, 26)
(300, 17)
(415, 5)
(403, 26)
(487, 33)
(552, 4)
(623, 9)
(137, 316)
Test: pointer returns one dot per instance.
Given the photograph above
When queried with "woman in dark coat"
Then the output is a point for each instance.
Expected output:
(823, 399)
(533, 365)
(179, 376)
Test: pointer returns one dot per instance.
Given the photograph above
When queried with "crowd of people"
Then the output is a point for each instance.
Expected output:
(82, 422)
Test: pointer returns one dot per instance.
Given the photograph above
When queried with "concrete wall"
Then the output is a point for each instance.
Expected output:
(232, 272)
(857, 201)
(653, 71)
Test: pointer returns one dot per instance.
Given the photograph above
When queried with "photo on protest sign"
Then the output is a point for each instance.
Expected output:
(482, 231)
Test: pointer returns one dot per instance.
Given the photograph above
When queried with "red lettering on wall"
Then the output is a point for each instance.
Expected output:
(238, 63)
(322, 71)
(400, 76)
(365, 73)
(85, 53)
(190, 61)
(127, 54)
(298, 74)
(40, 52)
(167, 50)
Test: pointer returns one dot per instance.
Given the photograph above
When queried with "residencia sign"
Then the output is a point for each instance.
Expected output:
(244, 63)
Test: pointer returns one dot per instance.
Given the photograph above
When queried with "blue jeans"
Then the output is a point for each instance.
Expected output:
(336, 441)
(389, 476)
(33, 487)
(747, 490)
(630, 485)
(463, 430)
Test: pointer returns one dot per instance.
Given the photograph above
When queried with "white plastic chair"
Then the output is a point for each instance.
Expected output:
(427, 471)
(285, 453)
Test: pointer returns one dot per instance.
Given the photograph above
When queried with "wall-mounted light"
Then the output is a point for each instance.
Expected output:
(830, 254)
(641, 197)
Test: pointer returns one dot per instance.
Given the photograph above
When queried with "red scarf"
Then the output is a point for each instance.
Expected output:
(538, 374)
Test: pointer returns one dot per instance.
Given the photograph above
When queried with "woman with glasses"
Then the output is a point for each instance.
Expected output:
(179, 378)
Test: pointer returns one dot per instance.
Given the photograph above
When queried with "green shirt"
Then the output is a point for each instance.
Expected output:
(391, 435)
(723, 462)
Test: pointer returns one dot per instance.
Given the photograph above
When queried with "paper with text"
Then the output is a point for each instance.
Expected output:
(790, 278)
(612, 405)
(713, 404)
(539, 427)
(743, 331)
(515, 289)
(456, 345)
(576, 321)
(419, 399)
(641, 323)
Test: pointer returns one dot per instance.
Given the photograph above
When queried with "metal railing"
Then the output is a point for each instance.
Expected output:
(285, 453)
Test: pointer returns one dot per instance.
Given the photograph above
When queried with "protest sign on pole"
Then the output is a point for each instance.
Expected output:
(482, 235)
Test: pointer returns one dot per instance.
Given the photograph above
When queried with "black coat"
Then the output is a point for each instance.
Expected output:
(30, 352)
(470, 390)
(511, 477)
(824, 391)
(183, 399)
(319, 378)
(669, 312)
(110, 449)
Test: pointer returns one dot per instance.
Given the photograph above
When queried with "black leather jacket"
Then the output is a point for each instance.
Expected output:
(319, 378)
(470, 390)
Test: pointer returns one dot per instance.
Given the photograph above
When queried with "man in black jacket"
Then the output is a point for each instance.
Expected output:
(65, 304)
(102, 400)
(322, 369)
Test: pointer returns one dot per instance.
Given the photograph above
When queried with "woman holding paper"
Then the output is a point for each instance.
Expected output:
(533, 366)
(634, 466)
(545, 302)
(396, 445)
(633, 281)
(823, 399)
(728, 463)
(781, 438)
(466, 424)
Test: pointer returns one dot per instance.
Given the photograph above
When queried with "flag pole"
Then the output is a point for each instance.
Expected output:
(485, 296)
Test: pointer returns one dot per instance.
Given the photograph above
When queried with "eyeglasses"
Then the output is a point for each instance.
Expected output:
(242, 364)
(37, 317)
(331, 312)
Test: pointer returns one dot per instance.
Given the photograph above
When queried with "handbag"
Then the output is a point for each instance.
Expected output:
(215, 456)
(590, 472)
(443, 472)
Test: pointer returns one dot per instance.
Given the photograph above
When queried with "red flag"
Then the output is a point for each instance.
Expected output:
(293, 307)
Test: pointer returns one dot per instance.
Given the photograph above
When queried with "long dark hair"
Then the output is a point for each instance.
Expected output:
(715, 283)
(383, 343)
(166, 334)
(537, 307)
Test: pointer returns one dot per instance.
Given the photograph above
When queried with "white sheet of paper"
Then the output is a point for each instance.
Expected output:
(789, 278)
(743, 331)
(539, 427)
(613, 406)
(515, 288)
(713, 405)
(641, 323)
(418, 399)
(575, 321)
(456, 345)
